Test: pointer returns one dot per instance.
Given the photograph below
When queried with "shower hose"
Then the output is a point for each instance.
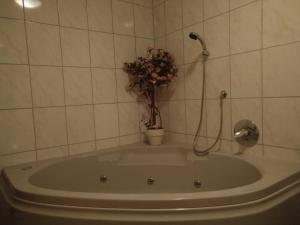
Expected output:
(223, 94)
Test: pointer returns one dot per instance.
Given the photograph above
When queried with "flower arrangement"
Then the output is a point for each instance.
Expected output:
(148, 73)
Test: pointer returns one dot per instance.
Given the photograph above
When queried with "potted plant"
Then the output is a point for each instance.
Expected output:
(146, 75)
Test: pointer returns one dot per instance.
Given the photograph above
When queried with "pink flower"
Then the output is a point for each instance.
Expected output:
(154, 75)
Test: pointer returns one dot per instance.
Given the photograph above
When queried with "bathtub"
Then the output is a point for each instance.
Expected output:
(140, 184)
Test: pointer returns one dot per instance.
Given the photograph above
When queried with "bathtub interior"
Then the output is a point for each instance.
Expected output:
(144, 170)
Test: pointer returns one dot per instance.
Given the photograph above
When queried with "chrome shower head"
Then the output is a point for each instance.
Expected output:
(196, 36)
(193, 36)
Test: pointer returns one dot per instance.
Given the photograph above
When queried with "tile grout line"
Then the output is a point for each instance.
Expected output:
(91, 77)
(165, 46)
(213, 58)
(115, 74)
(135, 53)
(261, 78)
(64, 145)
(205, 110)
(230, 55)
(56, 146)
(183, 71)
(63, 79)
(137, 4)
(30, 83)
(171, 100)
(75, 28)
(212, 17)
(230, 75)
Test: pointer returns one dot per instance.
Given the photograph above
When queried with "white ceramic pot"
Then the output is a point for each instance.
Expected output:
(155, 136)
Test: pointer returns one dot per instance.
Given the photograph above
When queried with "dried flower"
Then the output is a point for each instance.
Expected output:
(147, 73)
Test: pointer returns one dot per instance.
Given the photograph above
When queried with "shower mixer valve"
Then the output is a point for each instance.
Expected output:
(246, 133)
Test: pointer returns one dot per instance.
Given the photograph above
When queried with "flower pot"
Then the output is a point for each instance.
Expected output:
(155, 136)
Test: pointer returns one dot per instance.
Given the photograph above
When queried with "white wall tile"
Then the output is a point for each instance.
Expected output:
(157, 2)
(216, 33)
(104, 85)
(193, 80)
(215, 7)
(281, 22)
(160, 43)
(47, 86)
(159, 21)
(281, 71)
(16, 129)
(106, 120)
(50, 153)
(217, 77)
(176, 113)
(102, 50)
(192, 11)
(173, 15)
(50, 127)
(143, 20)
(13, 42)
(47, 12)
(147, 3)
(130, 139)
(238, 3)
(82, 147)
(100, 15)
(11, 9)
(281, 121)
(164, 112)
(106, 144)
(14, 159)
(256, 151)
(222, 146)
(245, 28)
(174, 44)
(281, 154)
(72, 13)
(193, 112)
(174, 138)
(246, 75)
(125, 94)
(128, 122)
(80, 121)
(175, 90)
(123, 20)
(213, 118)
(78, 86)
(15, 89)
(124, 50)
(43, 44)
(75, 47)
(142, 45)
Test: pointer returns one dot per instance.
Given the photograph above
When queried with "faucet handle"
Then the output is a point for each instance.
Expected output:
(246, 133)
(241, 133)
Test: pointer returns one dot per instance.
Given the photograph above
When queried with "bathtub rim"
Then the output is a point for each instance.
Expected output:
(238, 195)
(151, 215)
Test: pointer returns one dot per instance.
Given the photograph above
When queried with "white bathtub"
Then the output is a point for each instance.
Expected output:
(152, 185)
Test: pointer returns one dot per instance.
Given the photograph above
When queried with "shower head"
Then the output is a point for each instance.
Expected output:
(196, 36)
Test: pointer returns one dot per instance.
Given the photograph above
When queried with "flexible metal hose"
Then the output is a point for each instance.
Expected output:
(223, 94)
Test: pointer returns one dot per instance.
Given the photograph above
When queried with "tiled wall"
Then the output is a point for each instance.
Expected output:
(62, 90)
(254, 55)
